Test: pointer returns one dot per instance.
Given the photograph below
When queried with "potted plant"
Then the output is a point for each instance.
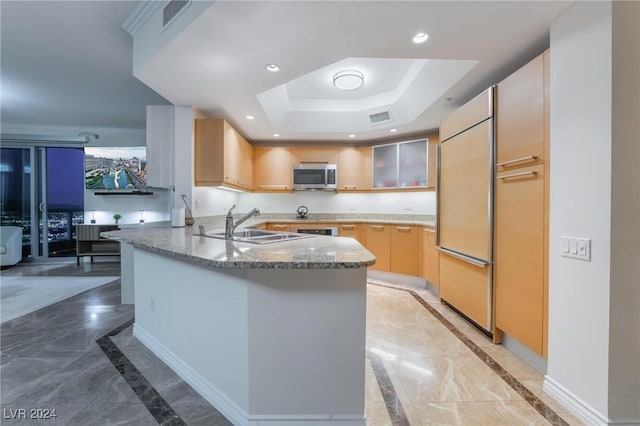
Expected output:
(117, 217)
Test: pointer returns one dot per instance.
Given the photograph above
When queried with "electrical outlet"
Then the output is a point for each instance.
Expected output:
(576, 248)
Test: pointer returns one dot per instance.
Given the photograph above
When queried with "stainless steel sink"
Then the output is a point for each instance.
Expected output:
(258, 236)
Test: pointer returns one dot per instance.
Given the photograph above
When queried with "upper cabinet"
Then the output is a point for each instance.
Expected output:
(222, 156)
(401, 165)
(314, 154)
(167, 126)
(520, 115)
(272, 168)
(354, 169)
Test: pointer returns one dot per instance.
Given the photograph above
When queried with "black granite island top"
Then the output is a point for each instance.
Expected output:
(317, 252)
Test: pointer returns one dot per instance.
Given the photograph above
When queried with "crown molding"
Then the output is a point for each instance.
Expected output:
(141, 15)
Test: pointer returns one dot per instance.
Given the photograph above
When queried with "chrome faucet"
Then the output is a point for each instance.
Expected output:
(230, 226)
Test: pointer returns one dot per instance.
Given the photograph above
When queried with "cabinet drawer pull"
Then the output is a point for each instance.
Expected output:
(377, 227)
(517, 160)
(529, 173)
(351, 187)
(429, 230)
(403, 228)
(348, 226)
(280, 226)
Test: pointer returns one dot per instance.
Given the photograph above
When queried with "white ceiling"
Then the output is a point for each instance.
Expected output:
(70, 63)
(217, 63)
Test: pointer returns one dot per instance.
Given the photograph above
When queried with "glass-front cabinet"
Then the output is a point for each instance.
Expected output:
(401, 165)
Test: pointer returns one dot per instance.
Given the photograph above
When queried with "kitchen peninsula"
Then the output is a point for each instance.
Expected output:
(268, 334)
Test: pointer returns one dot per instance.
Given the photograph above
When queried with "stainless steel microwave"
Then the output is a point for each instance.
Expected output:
(318, 176)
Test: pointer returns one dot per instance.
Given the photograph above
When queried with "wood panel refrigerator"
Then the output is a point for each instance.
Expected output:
(465, 209)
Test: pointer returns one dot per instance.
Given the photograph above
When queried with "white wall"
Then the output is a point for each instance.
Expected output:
(214, 201)
(587, 314)
(103, 207)
(580, 200)
(331, 202)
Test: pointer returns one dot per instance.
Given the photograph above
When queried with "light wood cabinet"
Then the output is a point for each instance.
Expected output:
(404, 249)
(314, 154)
(465, 176)
(272, 168)
(222, 156)
(379, 243)
(400, 165)
(429, 257)
(520, 118)
(473, 112)
(522, 206)
(354, 169)
(519, 256)
(352, 230)
(472, 291)
(284, 227)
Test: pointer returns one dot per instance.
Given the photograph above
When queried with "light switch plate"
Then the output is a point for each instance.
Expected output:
(576, 248)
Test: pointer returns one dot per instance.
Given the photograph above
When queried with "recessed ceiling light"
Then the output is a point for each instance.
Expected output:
(348, 80)
(352, 135)
(276, 135)
(420, 38)
(249, 117)
(393, 130)
(272, 67)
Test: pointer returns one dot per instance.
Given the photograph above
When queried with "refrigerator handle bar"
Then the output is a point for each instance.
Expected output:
(464, 257)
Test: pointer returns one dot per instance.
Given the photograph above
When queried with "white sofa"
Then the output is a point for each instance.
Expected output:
(10, 245)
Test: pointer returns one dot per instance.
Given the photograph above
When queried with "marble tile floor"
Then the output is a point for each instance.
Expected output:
(80, 358)
(20, 295)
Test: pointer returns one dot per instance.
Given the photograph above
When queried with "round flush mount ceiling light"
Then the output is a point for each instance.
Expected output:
(352, 135)
(420, 38)
(348, 80)
(393, 130)
(276, 135)
(249, 117)
(272, 67)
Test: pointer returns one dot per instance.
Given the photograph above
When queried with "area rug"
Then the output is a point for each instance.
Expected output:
(22, 295)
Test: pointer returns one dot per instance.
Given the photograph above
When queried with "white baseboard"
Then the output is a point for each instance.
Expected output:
(213, 395)
(226, 406)
(577, 406)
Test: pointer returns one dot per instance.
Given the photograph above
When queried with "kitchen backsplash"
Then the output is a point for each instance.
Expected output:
(381, 203)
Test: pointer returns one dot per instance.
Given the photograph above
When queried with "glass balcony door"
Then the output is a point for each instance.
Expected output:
(43, 192)
(16, 193)
(60, 199)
